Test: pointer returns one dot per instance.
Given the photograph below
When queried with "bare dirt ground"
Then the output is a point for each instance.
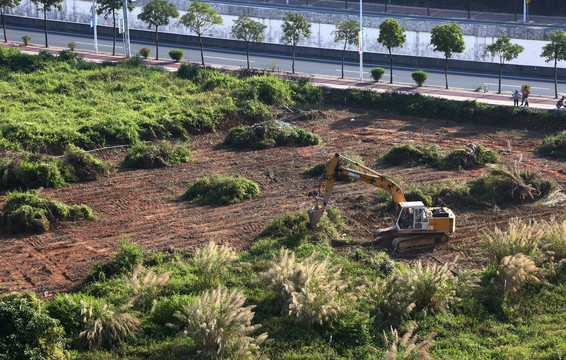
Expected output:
(145, 205)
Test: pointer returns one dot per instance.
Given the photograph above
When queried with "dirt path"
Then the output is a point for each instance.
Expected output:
(145, 204)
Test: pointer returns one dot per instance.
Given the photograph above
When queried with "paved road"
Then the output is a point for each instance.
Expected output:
(402, 75)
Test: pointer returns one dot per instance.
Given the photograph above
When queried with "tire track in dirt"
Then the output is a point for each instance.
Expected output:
(146, 206)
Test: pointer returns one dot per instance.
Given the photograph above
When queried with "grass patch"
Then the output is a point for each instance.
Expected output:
(221, 190)
(33, 212)
(554, 146)
(267, 135)
(162, 154)
(417, 155)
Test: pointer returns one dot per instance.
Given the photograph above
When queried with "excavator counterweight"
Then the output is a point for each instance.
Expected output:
(416, 226)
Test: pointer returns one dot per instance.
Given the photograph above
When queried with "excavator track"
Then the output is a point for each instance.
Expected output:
(414, 242)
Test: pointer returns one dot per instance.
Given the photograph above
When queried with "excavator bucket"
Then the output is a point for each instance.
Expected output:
(314, 216)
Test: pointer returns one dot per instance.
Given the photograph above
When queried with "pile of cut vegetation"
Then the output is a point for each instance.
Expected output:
(221, 190)
(500, 187)
(554, 146)
(25, 170)
(318, 168)
(160, 154)
(33, 212)
(270, 134)
(417, 155)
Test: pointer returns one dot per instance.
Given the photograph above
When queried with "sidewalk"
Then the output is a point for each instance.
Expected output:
(536, 102)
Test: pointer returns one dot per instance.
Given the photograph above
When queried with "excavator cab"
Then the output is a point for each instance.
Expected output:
(412, 216)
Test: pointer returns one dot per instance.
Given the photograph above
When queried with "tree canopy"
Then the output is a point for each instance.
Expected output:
(555, 51)
(248, 30)
(158, 12)
(295, 28)
(448, 39)
(199, 18)
(346, 31)
(391, 35)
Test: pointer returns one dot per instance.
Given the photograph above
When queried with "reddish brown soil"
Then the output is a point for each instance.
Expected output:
(145, 206)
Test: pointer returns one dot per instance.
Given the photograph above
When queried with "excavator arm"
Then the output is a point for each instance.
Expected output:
(366, 175)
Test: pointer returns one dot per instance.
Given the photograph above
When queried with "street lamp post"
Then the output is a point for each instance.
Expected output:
(126, 34)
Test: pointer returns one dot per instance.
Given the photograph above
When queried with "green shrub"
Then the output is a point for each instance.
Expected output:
(161, 154)
(144, 52)
(33, 212)
(266, 135)
(269, 90)
(419, 77)
(72, 45)
(221, 190)
(27, 331)
(377, 73)
(28, 172)
(176, 54)
(126, 258)
(315, 170)
(190, 72)
(66, 308)
(554, 146)
(210, 261)
(167, 307)
(26, 39)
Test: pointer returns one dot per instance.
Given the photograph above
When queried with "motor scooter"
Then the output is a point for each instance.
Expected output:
(560, 102)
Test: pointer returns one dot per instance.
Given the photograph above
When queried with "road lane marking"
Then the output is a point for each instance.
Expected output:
(230, 59)
(516, 86)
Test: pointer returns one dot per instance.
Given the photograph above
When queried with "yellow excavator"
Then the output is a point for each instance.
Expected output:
(416, 226)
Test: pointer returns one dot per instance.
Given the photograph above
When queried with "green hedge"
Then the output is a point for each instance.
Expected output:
(554, 146)
(453, 110)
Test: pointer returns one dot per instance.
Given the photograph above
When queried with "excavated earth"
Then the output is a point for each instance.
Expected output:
(145, 205)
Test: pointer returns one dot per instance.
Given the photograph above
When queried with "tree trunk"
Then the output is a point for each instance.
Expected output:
(293, 66)
(343, 54)
(4, 24)
(156, 45)
(446, 72)
(201, 50)
(500, 72)
(555, 80)
(114, 32)
(45, 25)
(248, 53)
(390, 67)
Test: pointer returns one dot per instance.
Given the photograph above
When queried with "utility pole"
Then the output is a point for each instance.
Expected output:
(93, 23)
(524, 11)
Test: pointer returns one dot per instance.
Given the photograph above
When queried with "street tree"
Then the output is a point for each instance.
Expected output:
(45, 6)
(295, 28)
(3, 5)
(555, 50)
(199, 18)
(504, 50)
(449, 40)
(346, 31)
(111, 7)
(391, 35)
(157, 13)
(248, 30)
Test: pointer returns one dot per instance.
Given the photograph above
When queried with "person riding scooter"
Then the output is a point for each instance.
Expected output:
(560, 102)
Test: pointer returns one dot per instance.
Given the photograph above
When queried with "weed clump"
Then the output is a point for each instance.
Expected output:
(126, 258)
(221, 190)
(267, 135)
(221, 325)
(79, 166)
(32, 212)
(162, 154)
(554, 146)
(412, 155)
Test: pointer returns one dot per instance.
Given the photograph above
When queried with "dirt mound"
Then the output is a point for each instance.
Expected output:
(144, 204)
